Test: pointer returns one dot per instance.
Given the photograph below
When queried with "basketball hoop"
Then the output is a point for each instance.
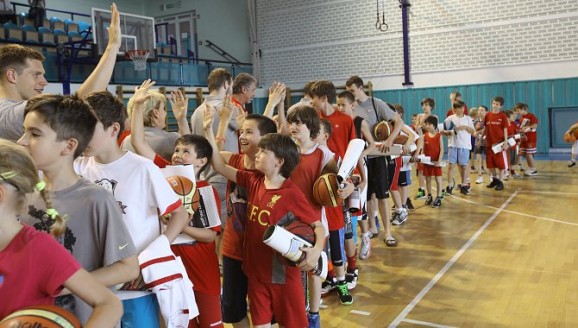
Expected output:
(139, 58)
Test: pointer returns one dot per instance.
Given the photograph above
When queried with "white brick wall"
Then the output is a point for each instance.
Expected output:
(333, 39)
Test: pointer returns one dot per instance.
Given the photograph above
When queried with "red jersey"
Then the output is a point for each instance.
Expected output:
(267, 207)
(305, 174)
(512, 129)
(33, 269)
(232, 243)
(495, 123)
(431, 146)
(343, 132)
(527, 120)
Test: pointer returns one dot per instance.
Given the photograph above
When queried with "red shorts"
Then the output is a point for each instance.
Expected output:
(496, 161)
(420, 167)
(527, 147)
(393, 179)
(286, 302)
(209, 311)
(432, 171)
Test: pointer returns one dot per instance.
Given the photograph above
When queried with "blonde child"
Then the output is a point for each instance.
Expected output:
(33, 266)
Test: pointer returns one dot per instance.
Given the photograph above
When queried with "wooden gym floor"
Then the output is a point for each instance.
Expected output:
(490, 259)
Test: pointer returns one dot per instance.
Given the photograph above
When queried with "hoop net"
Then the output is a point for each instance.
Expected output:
(139, 58)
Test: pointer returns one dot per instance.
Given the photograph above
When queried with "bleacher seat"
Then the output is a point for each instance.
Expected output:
(46, 36)
(60, 36)
(57, 24)
(13, 32)
(30, 34)
(71, 26)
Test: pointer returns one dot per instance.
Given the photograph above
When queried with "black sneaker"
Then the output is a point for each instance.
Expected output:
(409, 205)
(328, 285)
(428, 200)
(420, 193)
(449, 190)
(571, 164)
(351, 279)
(465, 189)
(437, 202)
(494, 183)
(499, 185)
(344, 296)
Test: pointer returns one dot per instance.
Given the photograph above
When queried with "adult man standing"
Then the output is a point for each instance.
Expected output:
(22, 77)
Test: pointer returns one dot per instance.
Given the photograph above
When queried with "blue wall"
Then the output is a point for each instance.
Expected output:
(539, 95)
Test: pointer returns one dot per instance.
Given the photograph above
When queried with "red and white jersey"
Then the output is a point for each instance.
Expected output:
(495, 123)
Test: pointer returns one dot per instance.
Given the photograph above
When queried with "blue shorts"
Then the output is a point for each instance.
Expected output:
(141, 312)
(458, 155)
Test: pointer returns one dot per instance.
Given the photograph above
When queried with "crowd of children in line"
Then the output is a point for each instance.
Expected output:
(106, 206)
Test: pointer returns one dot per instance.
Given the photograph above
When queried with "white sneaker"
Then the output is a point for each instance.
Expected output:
(531, 173)
(480, 179)
(400, 218)
(365, 251)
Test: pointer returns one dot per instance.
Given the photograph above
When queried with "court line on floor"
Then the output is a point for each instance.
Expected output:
(547, 192)
(401, 317)
(427, 324)
(517, 213)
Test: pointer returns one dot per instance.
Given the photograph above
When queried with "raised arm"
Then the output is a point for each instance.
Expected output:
(282, 117)
(217, 161)
(276, 94)
(137, 138)
(225, 115)
(100, 76)
(180, 106)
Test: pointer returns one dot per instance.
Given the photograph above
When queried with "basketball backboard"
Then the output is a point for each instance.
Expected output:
(137, 31)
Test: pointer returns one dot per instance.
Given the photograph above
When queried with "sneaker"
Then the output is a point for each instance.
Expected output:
(314, 320)
(428, 200)
(521, 167)
(365, 251)
(351, 279)
(420, 193)
(394, 215)
(328, 285)
(570, 164)
(480, 179)
(531, 173)
(465, 189)
(344, 297)
(409, 205)
(437, 202)
(401, 217)
(516, 175)
(499, 185)
(493, 184)
(449, 190)
(506, 176)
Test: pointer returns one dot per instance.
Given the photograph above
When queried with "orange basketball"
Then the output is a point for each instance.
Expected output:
(382, 130)
(187, 191)
(325, 190)
(400, 139)
(45, 316)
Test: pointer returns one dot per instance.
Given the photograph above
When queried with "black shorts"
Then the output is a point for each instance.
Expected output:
(336, 238)
(404, 178)
(377, 180)
(234, 299)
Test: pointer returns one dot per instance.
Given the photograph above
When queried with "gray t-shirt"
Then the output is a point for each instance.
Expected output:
(11, 118)
(365, 109)
(231, 144)
(161, 141)
(96, 233)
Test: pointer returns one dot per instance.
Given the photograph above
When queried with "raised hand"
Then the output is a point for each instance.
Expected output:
(114, 32)
(141, 93)
(179, 104)
(208, 118)
(276, 93)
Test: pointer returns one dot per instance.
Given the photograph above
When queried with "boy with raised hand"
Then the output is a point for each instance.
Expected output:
(496, 130)
(57, 129)
(274, 288)
(22, 77)
(459, 146)
(528, 125)
(140, 190)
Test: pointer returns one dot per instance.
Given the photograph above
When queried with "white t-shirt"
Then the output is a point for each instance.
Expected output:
(140, 189)
(463, 139)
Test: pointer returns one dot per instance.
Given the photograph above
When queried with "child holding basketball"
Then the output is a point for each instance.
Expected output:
(57, 129)
(196, 245)
(140, 190)
(432, 145)
(528, 125)
(33, 266)
(274, 289)
(427, 105)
